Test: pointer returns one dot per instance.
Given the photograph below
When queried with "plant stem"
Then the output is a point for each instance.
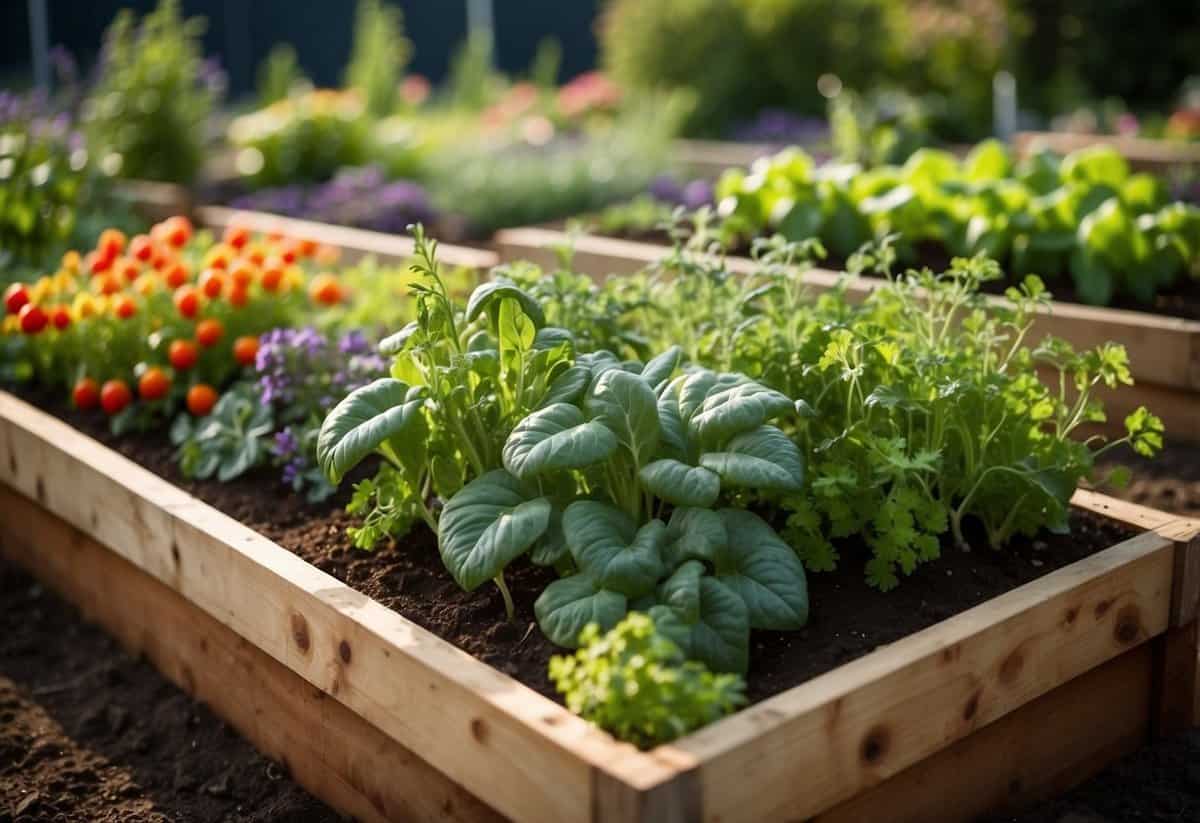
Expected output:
(509, 608)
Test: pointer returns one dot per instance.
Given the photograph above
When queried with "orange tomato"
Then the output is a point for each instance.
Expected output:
(245, 350)
(289, 252)
(141, 248)
(127, 269)
(209, 332)
(111, 243)
(32, 318)
(177, 231)
(218, 257)
(182, 354)
(177, 275)
(61, 317)
(106, 284)
(200, 399)
(212, 283)
(86, 393)
(325, 289)
(272, 278)
(306, 248)
(236, 236)
(242, 273)
(125, 308)
(256, 255)
(98, 264)
(153, 384)
(238, 295)
(187, 301)
(115, 396)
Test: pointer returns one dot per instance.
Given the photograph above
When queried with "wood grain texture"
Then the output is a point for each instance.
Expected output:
(500, 740)
(354, 243)
(808, 749)
(328, 749)
(1038, 751)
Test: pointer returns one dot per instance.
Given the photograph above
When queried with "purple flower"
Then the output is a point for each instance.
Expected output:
(782, 127)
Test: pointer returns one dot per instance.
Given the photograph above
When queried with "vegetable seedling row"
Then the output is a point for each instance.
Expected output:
(1164, 351)
(1022, 695)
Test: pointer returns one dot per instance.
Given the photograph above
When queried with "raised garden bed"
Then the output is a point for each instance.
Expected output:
(1020, 696)
(1142, 153)
(1164, 352)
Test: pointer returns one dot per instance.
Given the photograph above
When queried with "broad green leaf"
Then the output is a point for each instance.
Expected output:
(569, 604)
(661, 368)
(551, 549)
(569, 386)
(672, 431)
(764, 459)
(486, 294)
(516, 330)
(764, 571)
(681, 591)
(680, 484)
(694, 534)
(987, 161)
(368, 416)
(717, 406)
(551, 337)
(1095, 164)
(720, 634)
(626, 404)
(488, 524)
(608, 548)
(1093, 280)
(554, 438)
(396, 343)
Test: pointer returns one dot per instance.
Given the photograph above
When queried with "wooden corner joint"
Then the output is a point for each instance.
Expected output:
(1185, 582)
(660, 786)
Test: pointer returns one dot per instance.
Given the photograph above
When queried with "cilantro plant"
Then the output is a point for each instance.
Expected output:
(613, 471)
(1086, 215)
(636, 684)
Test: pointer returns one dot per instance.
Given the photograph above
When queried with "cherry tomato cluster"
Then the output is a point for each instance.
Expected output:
(165, 318)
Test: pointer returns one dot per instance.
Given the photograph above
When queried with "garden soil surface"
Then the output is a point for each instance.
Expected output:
(89, 733)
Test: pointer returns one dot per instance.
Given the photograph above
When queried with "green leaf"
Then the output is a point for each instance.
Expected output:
(396, 343)
(680, 484)
(717, 406)
(608, 548)
(720, 634)
(488, 524)
(764, 459)
(626, 404)
(367, 417)
(486, 295)
(764, 571)
(694, 534)
(1093, 280)
(681, 591)
(554, 438)
(516, 330)
(566, 606)
(661, 368)
(569, 386)
(1095, 164)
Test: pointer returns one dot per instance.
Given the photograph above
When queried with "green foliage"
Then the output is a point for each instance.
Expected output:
(228, 442)
(149, 109)
(385, 503)
(636, 684)
(473, 81)
(1087, 215)
(923, 404)
(278, 74)
(379, 56)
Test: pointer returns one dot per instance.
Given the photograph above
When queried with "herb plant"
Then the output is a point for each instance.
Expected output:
(636, 684)
(228, 442)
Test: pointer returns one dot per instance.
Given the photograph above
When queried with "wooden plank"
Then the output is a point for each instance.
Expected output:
(1141, 152)
(354, 243)
(1175, 681)
(327, 748)
(1037, 752)
(808, 749)
(1164, 351)
(500, 740)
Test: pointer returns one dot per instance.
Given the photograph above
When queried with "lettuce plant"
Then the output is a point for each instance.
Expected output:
(636, 683)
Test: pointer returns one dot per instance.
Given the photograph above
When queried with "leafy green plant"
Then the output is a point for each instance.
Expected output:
(1087, 216)
(610, 470)
(635, 683)
(228, 442)
(278, 74)
(149, 109)
(379, 56)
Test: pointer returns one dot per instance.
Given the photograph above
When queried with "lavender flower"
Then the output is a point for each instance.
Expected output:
(779, 126)
(691, 195)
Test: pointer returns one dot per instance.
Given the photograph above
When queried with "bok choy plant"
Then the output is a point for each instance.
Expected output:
(616, 472)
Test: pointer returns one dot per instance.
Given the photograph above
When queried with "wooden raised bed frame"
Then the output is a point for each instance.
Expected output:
(1020, 696)
(1164, 352)
(1142, 153)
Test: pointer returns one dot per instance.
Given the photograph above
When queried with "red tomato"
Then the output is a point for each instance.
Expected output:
(237, 236)
(238, 295)
(177, 231)
(209, 332)
(212, 283)
(15, 297)
(245, 350)
(177, 275)
(115, 396)
(200, 399)
(153, 384)
(141, 248)
(182, 354)
(125, 308)
(111, 243)
(61, 317)
(187, 301)
(33, 319)
(86, 394)
(98, 264)
(325, 289)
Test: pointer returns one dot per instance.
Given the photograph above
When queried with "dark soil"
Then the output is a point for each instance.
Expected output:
(88, 733)
(1169, 481)
(1182, 300)
(849, 619)
(1159, 783)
